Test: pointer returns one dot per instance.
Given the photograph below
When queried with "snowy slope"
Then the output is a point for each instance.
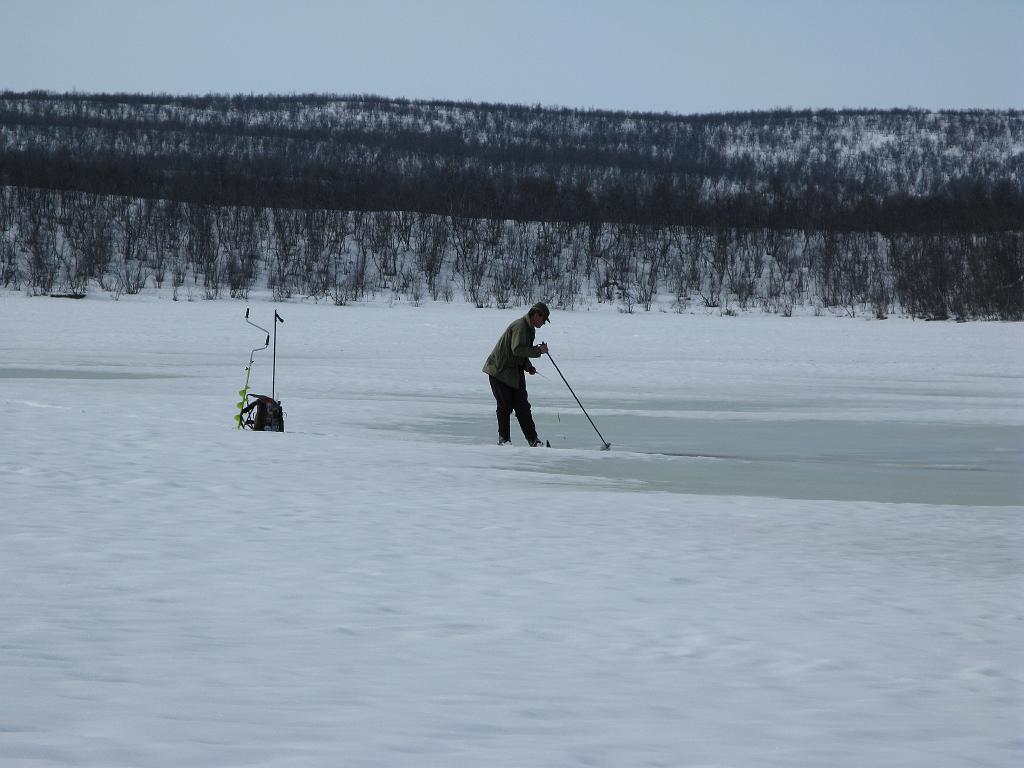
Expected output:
(382, 586)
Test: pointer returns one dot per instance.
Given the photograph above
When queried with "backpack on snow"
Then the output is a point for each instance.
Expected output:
(262, 414)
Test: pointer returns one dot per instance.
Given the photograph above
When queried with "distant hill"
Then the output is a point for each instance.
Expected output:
(343, 197)
(896, 170)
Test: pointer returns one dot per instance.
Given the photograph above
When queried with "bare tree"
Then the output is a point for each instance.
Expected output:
(511, 278)
(164, 240)
(715, 263)
(430, 247)
(203, 248)
(653, 246)
(684, 263)
(238, 236)
(9, 273)
(129, 238)
(745, 266)
(471, 257)
(39, 238)
(286, 227)
(88, 231)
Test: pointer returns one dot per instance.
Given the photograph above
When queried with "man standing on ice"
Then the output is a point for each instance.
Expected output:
(507, 367)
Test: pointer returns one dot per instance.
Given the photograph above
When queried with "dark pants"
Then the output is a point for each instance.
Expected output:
(511, 399)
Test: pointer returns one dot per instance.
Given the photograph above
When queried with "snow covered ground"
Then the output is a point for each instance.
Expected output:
(804, 548)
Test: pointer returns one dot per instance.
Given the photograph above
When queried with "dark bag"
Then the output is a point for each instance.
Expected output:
(263, 414)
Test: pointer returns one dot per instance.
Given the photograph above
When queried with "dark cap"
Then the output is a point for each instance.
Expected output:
(541, 307)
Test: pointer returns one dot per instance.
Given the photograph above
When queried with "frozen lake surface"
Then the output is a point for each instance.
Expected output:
(795, 458)
(803, 549)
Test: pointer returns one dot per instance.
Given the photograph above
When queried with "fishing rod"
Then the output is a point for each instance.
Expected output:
(605, 445)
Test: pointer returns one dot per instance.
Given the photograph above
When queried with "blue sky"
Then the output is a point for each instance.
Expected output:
(658, 55)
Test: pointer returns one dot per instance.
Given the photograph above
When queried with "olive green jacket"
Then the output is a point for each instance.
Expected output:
(512, 353)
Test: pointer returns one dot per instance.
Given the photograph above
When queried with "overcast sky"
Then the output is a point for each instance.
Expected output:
(685, 56)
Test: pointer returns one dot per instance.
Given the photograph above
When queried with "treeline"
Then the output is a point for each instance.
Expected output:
(878, 171)
(325, 196)
(69, 242)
